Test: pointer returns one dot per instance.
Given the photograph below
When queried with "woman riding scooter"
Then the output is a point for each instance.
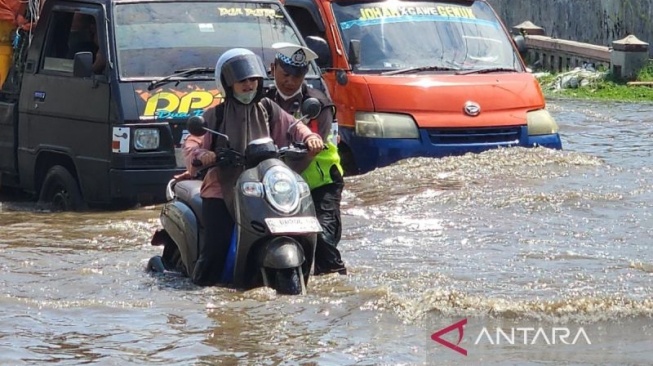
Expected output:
(243, 116)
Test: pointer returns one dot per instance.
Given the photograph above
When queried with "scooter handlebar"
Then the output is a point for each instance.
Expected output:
(223, 157)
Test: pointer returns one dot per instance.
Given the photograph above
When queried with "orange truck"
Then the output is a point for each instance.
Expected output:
(423, 78)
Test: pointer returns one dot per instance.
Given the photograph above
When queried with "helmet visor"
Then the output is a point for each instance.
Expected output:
(242, 67)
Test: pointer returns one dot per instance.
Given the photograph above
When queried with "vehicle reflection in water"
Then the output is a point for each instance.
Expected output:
(507, 238)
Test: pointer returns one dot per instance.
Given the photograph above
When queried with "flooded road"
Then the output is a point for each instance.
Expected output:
(529, 256)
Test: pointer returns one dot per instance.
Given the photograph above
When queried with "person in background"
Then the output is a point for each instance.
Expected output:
(323, 173)
(83, 37)
(244, 115)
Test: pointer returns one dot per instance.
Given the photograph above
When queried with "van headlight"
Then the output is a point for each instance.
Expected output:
(146, 139)
(386, 125)
(281, 189)
(541, 122)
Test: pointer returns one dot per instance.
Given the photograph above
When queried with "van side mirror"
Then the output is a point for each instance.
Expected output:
(83, 65)
(354, 54)
(321, 48)
(520, 43)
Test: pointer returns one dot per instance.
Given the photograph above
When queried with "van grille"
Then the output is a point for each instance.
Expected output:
(450, 136)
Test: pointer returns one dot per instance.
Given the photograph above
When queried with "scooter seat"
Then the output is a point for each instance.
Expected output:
(188, 192)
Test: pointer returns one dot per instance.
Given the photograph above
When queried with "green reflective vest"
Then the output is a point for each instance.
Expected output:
(318, 173)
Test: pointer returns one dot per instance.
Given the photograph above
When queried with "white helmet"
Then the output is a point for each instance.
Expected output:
(235, 65)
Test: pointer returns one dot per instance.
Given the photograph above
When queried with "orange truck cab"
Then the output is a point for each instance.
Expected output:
(423, 78)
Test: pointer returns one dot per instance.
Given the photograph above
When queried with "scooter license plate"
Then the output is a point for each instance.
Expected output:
(293, 225)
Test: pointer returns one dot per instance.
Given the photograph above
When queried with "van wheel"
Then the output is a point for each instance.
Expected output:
(60, 191)
(347, 160)
(288, 281)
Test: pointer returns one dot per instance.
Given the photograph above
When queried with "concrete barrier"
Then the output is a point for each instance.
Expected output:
(558, 55)
(624, 59)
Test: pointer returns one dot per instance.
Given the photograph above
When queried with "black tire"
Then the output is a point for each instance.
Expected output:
(171, 259)
(155, 264)
(60, 191)
(287, 281)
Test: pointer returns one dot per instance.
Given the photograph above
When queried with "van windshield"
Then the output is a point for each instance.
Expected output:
(430, 35)
(156, 39)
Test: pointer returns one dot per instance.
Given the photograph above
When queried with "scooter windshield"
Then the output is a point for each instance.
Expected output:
(425, 36)
(154, 39)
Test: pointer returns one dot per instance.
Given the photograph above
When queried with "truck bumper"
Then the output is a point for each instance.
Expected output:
(372, 153)
(143, 186)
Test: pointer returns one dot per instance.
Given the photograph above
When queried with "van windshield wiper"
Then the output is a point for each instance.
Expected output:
(180, 74)
(412, 69)
(486, 71)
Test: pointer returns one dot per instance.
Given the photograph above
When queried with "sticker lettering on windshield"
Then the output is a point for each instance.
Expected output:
(400, 11)
(233, 12)
(393, 14)
(176, 104)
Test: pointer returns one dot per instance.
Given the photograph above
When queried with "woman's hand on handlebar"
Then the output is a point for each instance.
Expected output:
(314, 144)
(207, 158)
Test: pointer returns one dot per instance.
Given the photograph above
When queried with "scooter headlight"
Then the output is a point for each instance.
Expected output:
(281, 189)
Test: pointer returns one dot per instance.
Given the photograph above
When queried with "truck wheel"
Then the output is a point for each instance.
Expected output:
(60, 191)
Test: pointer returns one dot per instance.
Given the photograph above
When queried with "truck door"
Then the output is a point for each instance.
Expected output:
(64, 119)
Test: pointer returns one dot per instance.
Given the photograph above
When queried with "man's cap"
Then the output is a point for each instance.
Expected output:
(293, 58)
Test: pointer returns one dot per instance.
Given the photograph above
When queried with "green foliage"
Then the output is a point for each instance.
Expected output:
(646, 73)
(607, 88)
(608, 91)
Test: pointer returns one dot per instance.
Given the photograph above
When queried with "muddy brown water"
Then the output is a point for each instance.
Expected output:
(547, 257)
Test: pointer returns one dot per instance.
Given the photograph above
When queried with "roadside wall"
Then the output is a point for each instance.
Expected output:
(592, 21)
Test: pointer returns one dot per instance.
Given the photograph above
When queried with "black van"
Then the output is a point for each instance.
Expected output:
(93, 110)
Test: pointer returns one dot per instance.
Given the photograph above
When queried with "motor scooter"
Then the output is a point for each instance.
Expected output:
(275, 232)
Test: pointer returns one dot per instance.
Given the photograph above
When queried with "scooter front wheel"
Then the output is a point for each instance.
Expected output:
(289, 281)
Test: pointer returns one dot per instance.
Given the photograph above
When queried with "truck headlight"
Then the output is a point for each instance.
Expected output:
(281, 189)
(540, 122)
(146, 139)
(386, 125)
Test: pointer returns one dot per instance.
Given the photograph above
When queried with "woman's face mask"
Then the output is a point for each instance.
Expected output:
(245, 90)
(246, 97)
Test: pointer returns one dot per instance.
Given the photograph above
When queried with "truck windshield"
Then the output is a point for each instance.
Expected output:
(425, 35)
(155, 39)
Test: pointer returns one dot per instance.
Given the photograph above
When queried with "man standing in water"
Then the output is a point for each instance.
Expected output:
(323, 173)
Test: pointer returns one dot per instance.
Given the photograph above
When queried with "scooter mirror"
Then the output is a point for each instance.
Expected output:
(195, 125)
(311, 108)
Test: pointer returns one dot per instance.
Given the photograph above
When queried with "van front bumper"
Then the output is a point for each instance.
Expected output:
(143, 186)
(372, 153)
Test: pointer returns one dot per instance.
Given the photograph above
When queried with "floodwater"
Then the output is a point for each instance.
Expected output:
(529, 256)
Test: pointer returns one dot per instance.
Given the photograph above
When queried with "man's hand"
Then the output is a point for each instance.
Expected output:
(314, 144)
